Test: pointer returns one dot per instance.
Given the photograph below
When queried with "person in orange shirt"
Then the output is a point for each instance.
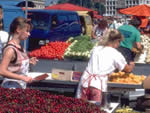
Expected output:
(144, 21)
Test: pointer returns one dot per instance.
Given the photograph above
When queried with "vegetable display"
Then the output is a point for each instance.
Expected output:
(80, 48)
(52, 50)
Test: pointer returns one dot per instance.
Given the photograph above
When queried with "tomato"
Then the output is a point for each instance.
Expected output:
(52, 50)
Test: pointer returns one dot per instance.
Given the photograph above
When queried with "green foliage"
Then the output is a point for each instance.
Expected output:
(76, 2)
(87, 4)
(62, 1)
(100, 8)
(83, 37)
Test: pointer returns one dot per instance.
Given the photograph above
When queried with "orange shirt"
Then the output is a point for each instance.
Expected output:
(144, 22)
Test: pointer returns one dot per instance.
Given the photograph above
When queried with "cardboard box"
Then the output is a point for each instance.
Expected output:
(65, 75)
(76, 75)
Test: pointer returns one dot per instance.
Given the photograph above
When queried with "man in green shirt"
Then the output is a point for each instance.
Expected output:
(131, 36)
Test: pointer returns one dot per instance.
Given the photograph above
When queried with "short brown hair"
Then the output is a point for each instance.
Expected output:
(19, 22)
(102, 23)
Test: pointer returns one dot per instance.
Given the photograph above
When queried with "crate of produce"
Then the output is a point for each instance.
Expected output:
(126, 80)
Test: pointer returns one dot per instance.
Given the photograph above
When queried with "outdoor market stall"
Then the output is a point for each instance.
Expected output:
(70, 86)
(75, 58)
(139, 11)
(125, 93)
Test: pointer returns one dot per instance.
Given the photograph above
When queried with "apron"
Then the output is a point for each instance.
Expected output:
(22, 71)
(103, 83)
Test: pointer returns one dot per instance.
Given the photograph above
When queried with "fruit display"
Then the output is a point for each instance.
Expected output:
(126, 109)
(126, 78)
(145, 56)
(52, 50)
(145, 41)
(147, 59)
(35, 101)
(80, 48)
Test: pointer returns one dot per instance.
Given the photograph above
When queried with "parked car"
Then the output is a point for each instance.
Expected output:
(52, 25)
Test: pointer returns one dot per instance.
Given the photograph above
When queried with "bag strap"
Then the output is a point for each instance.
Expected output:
(15, 59)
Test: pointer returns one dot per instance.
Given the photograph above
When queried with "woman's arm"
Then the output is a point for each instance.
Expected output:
(121, 63)
(93, 35)
(129, 67)
(93, 32)
(139, 46)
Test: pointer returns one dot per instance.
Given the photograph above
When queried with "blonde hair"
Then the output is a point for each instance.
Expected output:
(110, 36)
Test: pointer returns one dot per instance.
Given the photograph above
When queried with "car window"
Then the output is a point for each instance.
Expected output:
(62, 19)
(73, 18)
(39, 22)
(54, 21)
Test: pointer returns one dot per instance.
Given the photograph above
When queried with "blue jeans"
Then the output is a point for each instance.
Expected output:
(11, 85)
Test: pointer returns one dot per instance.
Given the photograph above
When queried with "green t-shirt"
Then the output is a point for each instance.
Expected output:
(131, 35)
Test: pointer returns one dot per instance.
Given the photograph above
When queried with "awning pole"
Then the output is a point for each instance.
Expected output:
(26, 15)
(26, 9)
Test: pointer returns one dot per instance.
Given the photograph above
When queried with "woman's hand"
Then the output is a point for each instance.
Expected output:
(27, 79)
(33, 60)
(132, 64)
(129, 67)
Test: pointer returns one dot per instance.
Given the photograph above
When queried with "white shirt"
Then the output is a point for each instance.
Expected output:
(99, 32)
(103, 61)
(3, 40)
(3, 36)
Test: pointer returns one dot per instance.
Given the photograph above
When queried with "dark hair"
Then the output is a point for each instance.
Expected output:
(1, 7)
(135, 22)
(102, 23)
(1, 20)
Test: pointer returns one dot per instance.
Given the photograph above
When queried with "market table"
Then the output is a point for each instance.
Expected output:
(51, 84)
(61, 86)
(68, 88)
(46, 66)
(114, 106)
(128, 91)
